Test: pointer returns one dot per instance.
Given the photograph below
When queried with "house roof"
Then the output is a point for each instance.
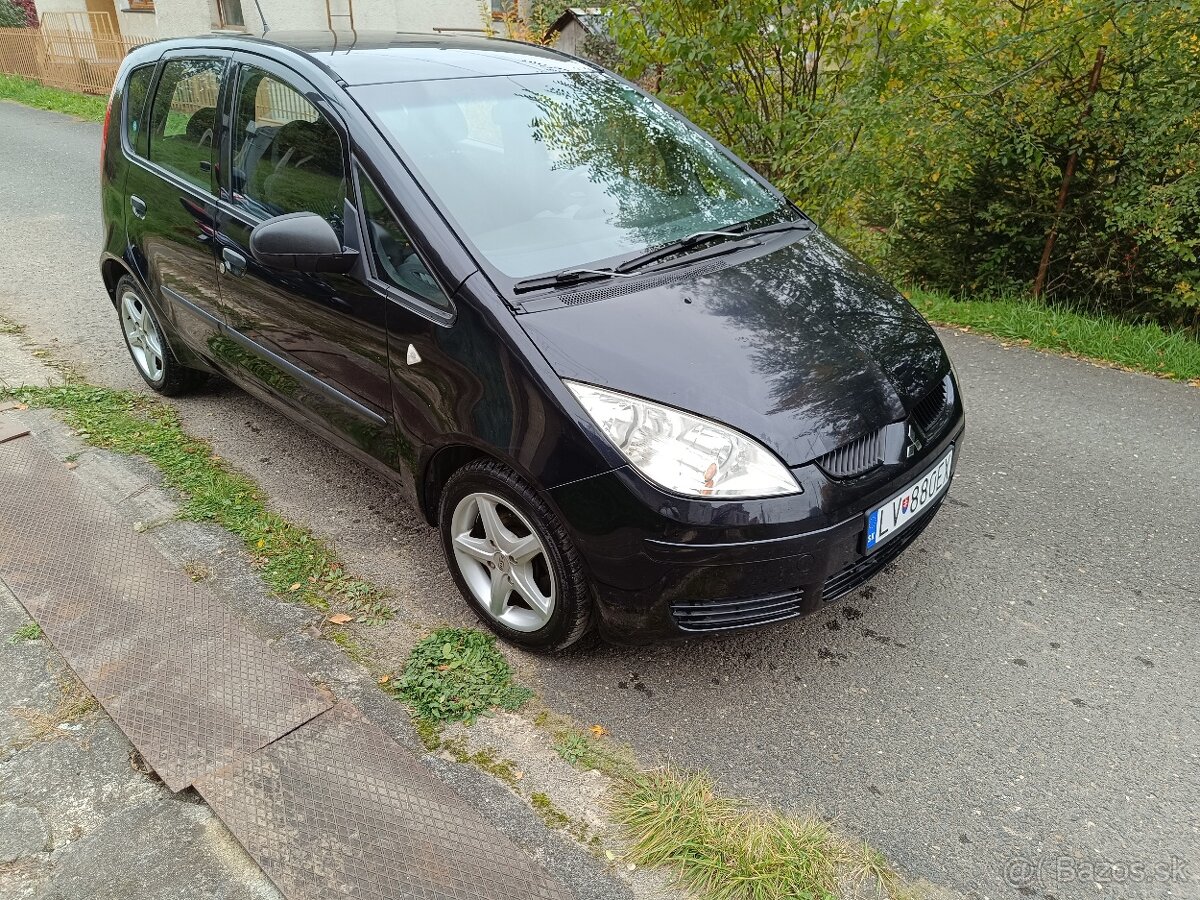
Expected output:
(591, 18)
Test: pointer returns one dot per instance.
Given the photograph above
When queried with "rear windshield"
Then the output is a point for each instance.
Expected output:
(546, 172)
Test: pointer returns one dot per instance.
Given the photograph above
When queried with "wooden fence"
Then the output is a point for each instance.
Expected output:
(74, 51)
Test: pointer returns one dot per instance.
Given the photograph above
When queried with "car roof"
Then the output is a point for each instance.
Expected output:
(359, 58)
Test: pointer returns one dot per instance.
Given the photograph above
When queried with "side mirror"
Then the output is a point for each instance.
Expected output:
(300, 242)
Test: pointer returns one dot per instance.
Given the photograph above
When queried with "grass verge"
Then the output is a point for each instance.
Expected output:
(292, 562)
(30, 93)
(1143, 348)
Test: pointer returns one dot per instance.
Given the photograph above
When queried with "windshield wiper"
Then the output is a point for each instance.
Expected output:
(703, 237)
(679, 246)
(741, 232)
(565, 278)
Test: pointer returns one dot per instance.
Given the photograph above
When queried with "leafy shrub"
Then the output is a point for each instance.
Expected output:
(14, 15)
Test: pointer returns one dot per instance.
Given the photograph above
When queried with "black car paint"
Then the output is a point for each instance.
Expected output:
(792, 341)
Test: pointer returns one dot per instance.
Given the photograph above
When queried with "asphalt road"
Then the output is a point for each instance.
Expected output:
(1013, 709)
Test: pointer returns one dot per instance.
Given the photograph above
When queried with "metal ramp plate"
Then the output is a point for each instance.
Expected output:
(190, 685)
(338, 809)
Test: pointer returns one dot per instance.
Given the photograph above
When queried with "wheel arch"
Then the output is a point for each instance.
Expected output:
(440, 468)
(448, 459)
(112, 270)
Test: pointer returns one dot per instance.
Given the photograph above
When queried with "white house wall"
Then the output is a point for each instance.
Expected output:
(177, 18)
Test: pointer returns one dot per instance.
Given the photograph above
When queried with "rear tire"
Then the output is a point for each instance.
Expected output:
(148, 347)
(513, 559)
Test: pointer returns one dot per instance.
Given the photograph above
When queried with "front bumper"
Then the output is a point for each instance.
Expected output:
(665, 566)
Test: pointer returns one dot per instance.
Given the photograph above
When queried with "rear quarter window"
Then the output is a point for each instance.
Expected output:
(137, 89)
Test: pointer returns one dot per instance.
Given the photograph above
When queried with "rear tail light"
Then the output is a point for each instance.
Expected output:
(107, 119)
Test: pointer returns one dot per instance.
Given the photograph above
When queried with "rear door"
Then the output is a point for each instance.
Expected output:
(170, 192)
(315, 342)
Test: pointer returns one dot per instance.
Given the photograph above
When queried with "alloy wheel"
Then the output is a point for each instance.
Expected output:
(145, 342)
(503, 562)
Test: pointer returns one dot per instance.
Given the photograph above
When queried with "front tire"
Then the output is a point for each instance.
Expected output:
(512, 559)
(147, 344)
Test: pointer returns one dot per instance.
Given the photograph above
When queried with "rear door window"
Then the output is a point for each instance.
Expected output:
(183, 119)
(287, 157)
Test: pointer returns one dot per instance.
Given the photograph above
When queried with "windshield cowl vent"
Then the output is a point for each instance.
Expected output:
(632, 286)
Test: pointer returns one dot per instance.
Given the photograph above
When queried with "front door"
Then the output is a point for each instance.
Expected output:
(318, 343)
(170, 195)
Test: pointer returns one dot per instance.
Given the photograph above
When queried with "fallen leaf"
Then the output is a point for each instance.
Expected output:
(72, 465)
(598, 731)
(443, 668)
(340, 618)
(21, 406)
(295, 587)
(384, 679)
(609, 855)
(517, 776)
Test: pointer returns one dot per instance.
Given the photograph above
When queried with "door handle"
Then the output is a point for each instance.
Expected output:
(138, 205)
(232, 262)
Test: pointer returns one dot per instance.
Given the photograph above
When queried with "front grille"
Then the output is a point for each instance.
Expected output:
(932, 412)
(858, 572)
(717, 615)
(856, 458)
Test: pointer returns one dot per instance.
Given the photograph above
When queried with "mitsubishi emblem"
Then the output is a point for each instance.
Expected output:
(914, 441)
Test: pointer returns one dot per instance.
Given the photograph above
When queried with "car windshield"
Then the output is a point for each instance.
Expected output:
(547, 172)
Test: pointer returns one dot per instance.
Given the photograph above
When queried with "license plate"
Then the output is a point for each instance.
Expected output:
(905, 507)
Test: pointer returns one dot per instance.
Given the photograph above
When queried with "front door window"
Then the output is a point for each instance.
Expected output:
(287, 157)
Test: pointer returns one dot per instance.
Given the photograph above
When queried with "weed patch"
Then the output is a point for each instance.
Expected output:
(584, 750)
(457, 675)
(30, 632)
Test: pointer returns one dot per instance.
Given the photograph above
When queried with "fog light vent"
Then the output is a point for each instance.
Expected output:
(717, 615)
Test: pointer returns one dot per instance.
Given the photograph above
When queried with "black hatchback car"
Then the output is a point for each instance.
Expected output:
(629, 381)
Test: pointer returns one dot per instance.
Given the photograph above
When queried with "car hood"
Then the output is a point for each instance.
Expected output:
(804, 348)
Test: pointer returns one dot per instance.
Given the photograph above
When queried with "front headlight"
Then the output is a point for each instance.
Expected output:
(684, 453)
